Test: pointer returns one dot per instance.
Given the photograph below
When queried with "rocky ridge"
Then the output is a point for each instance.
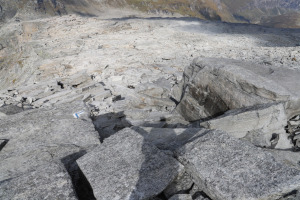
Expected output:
(273, 13)
(113, 107)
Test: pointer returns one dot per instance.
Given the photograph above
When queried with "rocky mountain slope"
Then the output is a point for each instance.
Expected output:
(274, 13)
(125, 105)
(241, 11)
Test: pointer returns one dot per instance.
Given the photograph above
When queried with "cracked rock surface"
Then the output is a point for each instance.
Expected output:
(117, 107)
(222, 165)
(127, 167)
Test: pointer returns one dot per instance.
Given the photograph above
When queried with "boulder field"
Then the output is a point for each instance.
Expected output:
(211, 143)
(148, 109)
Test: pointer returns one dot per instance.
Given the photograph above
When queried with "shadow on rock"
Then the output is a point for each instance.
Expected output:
(271, 37)
(81, 185)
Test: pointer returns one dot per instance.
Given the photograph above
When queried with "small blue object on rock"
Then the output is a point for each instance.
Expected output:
(77, 114)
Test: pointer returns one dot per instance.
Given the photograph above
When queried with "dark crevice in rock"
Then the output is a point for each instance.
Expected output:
(274, 140)
(3, 143)
(161, 196)
(130, 87)
(202, 194)
(76, 85)
(174, 100)
(60, 84)
(118, 98)
(81, 185)
(291, 195)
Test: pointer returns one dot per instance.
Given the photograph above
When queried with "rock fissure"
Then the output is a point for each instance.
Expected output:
(3, 142)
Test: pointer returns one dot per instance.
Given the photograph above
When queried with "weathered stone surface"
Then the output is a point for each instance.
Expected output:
(257, 124)
(287, 157)
(181, 197)
(213, 86)
(181, 184)
(126, 166)
(293, 130)
(222, 165)
(2, 115)
(40, 136)
(49, 181)
(53, 61)
(170, 138)
(10, 110)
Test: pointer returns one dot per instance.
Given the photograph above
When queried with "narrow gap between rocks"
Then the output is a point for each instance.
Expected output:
(291, 194)
(82, 187)
(2, 145)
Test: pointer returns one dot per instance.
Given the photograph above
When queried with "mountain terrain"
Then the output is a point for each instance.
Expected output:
(274, 13)
(136, 100)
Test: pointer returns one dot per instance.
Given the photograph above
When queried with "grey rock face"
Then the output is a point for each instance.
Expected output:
(257, 124)
(289, 158)
(49, 181)
(125, 166)
(181, 197)
(181, 184)
(293, 130)
(213, 86)
(222, 165)
(37, 137)
(10, 109)
(170, 138)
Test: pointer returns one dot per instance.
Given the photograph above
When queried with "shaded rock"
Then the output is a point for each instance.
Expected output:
(126, 166)
(152, 118)
(181, 197)
(256, 124)
(213, 86)
(198, 194)
(169, 138)
(11, 109)
(180, 185)
(110, 123)
(222, 165)
(49, 181)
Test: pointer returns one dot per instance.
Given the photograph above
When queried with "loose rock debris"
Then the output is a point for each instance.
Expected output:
(136, 126)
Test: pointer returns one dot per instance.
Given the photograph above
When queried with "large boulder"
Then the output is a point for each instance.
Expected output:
(213, 86)
(49, 181)
(227, 168)
(126, 166)
(37, 137)
(259, 124)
